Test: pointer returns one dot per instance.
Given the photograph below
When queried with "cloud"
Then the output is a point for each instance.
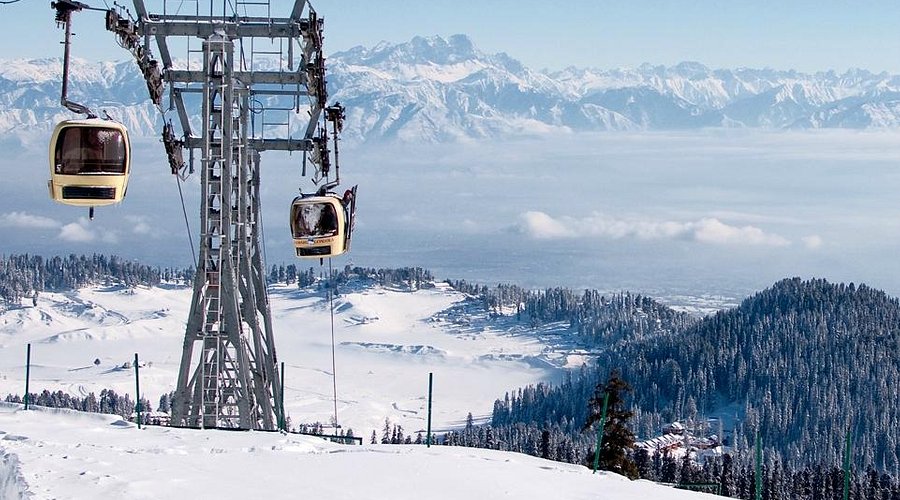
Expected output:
(539, 225)
(76, 232)
(715, 231)
(543, 227)
(26, 220)
(812, 242)
(139, 224)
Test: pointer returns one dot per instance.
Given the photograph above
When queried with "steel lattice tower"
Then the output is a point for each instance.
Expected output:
(228, 376)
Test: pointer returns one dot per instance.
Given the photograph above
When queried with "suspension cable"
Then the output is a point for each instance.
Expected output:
(186, 223)
(333, 364)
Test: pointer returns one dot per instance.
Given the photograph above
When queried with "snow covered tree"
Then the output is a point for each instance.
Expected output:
(618, 439)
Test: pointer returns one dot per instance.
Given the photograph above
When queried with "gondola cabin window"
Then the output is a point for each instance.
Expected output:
(90, 150)
(315, 220)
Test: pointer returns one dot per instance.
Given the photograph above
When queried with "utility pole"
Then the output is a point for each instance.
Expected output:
(228, 376)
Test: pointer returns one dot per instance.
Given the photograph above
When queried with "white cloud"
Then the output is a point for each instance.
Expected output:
(715, 231)
(139, 224)
(76, 232)
(85, 231)
(812, 242)
(708, 230)
(541, 226)
(26, 220)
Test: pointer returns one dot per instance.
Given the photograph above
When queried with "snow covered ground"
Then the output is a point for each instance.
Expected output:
(69, 455)
(388, 340)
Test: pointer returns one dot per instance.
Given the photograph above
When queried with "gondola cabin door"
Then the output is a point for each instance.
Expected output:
(90, 161)
(319, 226)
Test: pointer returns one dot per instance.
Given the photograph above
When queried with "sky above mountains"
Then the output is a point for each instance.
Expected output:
(804, 35)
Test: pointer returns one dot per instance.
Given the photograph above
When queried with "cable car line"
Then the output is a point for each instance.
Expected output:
(332, 286)
(186, 223)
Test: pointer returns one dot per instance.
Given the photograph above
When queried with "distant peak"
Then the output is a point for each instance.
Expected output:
(691, 69)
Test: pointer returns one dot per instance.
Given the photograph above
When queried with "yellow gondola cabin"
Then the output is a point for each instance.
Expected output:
(90, 161)
(320, 226)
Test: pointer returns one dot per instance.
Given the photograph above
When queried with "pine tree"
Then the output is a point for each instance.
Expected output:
(618, 439)
(386, 432)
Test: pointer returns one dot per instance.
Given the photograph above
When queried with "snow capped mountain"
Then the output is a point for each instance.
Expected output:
(434, 89)
(30, 95)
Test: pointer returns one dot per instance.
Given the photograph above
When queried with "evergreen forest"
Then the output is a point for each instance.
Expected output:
(803, 363)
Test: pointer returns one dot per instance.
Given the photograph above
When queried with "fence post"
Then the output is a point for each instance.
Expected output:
(282, 424)
(137, 389)
(27, 373)
(428, 431)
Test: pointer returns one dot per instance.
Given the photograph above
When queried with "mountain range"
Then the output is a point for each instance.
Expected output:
(435, 89)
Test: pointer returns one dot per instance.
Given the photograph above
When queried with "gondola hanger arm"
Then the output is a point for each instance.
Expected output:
(64, 10)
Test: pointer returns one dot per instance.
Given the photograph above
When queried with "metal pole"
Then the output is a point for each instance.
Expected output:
(282, 421)
(66, 44)
(137, 389)
(600, 432)
(428, 431)
(27, 373)
(331, 285)
(847, 467)
(758, 478)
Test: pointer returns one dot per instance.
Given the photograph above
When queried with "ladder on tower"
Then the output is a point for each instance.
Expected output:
(213, 332)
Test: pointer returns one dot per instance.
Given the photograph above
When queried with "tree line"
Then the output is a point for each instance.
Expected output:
(109, 402)
(23, 276)
(596, 319)
(412, 278)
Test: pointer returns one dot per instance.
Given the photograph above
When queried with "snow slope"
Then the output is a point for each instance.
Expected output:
(62, 454)
(387, 340)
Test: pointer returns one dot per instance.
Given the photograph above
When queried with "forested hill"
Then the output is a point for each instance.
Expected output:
(805, 359)
(23, 275)
(802, 361)
(597, 320)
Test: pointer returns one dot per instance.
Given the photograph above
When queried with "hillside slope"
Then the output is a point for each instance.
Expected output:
(802, 362)
(65, 454)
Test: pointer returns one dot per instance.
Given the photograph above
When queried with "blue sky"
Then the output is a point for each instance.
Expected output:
(799, 34)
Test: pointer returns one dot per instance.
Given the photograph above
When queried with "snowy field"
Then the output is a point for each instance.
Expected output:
(387, 342)
(70, 455)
